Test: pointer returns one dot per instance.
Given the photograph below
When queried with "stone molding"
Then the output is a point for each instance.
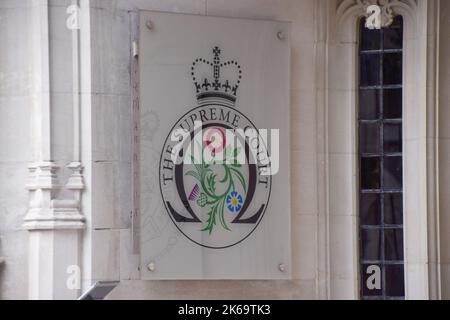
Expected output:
(45, 212)
(389, 9)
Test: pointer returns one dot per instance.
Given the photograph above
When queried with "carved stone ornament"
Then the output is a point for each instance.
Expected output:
(380, 11)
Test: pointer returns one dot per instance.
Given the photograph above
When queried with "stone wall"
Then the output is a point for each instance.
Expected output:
(111, 56)
(324, 217)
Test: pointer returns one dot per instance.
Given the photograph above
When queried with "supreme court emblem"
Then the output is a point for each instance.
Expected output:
(215, 169)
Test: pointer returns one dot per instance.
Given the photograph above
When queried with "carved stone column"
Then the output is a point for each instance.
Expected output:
(54, 220)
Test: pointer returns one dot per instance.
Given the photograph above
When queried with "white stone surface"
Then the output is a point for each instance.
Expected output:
(16, 147)
(324, 263)
(105, 253)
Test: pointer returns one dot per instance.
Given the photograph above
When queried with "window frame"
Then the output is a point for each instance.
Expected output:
(381, 191)
(337, 110)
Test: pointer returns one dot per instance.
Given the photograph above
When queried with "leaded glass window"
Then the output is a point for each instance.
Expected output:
(381, 162)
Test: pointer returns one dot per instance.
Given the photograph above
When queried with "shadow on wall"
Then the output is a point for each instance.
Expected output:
(2, 266)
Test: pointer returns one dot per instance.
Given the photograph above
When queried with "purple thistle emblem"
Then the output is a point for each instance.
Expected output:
(194, 193)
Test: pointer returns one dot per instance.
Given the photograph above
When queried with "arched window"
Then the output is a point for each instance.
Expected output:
(381, 162)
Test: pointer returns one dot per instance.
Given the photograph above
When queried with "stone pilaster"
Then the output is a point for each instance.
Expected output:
(54, 219)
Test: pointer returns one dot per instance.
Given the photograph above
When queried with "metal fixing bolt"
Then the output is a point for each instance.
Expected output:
(282, 267)
(281, 36)
(151, 266)
(149, 24)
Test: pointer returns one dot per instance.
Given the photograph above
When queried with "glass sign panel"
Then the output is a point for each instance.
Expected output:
(214, 182)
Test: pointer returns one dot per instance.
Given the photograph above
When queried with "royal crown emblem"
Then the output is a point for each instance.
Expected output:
(216, 81)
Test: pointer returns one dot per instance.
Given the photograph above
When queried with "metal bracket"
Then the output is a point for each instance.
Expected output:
(135, 221)
(135, 49)
(99, 290)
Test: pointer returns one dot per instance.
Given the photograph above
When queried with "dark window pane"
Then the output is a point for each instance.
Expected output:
(368, 281)
(370, 173)
(370, 69)
(393, 103)
(370, 209)
(369, 104)
(370, 39)
(393, 36)
(393, 244)
(393, 138)
(393, 173)
(393, 208)
(395, 279)
(369, 138)
(371, 245)
(392, 68)
(381, 167)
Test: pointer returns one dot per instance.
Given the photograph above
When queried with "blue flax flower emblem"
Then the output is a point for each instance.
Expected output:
(234, 202)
